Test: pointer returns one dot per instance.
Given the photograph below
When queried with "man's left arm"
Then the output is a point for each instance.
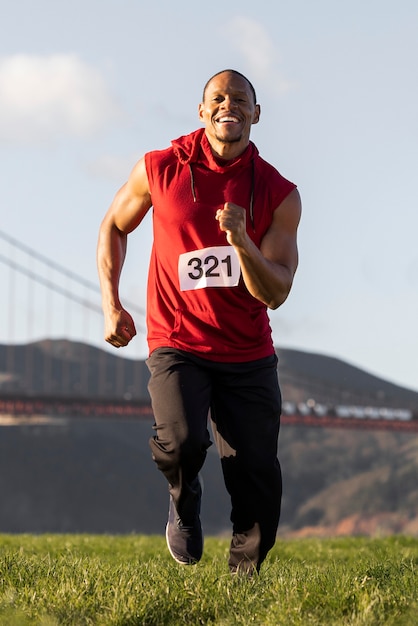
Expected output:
(267, 272)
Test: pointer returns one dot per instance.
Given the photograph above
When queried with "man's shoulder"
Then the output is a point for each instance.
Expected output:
(162, 156)
(161, 152)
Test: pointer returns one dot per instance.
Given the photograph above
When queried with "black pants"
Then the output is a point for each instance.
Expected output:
(244, 404)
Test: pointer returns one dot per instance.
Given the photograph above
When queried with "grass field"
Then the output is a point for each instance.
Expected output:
(80, 580)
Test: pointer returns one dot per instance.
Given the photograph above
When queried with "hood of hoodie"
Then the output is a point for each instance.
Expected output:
(195, 148)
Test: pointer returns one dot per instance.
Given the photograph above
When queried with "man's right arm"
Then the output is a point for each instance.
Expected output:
(126, 212)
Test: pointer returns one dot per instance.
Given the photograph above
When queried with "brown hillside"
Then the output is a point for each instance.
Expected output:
(349, 482)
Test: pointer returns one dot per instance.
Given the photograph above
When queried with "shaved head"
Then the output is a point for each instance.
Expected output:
(236, 74)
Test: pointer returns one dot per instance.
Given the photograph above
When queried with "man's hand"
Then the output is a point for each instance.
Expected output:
(232, 220)
(119, 328)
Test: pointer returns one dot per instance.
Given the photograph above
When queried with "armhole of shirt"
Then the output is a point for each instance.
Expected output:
(148, 167)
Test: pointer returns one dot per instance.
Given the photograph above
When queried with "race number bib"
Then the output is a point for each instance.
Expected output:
(210, 267)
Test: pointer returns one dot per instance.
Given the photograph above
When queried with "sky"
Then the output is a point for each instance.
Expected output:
(87, 87)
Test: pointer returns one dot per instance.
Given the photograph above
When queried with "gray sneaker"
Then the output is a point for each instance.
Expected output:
(185, 543)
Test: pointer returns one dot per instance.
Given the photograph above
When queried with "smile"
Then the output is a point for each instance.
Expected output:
(228, 119)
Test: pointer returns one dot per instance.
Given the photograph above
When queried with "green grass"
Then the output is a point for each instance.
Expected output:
(82, 580)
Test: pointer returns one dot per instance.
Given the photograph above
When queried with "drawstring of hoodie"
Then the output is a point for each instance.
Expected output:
(192, 182)
(193, 188)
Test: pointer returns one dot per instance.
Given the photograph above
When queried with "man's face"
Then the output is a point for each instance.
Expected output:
(228, 110)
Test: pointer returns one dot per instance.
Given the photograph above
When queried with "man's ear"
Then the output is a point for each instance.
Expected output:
(257, 114)
(200, 111)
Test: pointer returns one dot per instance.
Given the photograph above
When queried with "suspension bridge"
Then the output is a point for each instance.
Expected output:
(53, 360)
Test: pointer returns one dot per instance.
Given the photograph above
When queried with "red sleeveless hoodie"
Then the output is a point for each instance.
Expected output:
(196, 299)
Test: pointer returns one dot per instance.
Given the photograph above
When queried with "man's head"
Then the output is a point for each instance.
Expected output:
(231, 72)
(228, 110)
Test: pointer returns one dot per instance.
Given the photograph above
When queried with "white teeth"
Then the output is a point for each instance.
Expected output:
(227, 119)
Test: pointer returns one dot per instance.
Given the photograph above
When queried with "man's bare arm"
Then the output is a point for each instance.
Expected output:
(126, 212)
(267, 272)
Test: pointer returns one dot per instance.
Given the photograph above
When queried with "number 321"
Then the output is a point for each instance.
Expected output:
(212, 262)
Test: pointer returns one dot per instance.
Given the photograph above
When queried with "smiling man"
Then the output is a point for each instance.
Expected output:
(224, 251)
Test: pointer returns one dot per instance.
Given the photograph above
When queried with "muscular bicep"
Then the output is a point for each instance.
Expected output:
(279, 244)
(132, 201)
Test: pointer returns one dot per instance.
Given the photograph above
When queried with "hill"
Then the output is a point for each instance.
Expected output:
(77, 475)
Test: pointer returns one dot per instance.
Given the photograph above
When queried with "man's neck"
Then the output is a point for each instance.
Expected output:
(226, 150)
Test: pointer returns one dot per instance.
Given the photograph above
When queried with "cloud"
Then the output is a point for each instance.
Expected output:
(50, 97)
(251, 40)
